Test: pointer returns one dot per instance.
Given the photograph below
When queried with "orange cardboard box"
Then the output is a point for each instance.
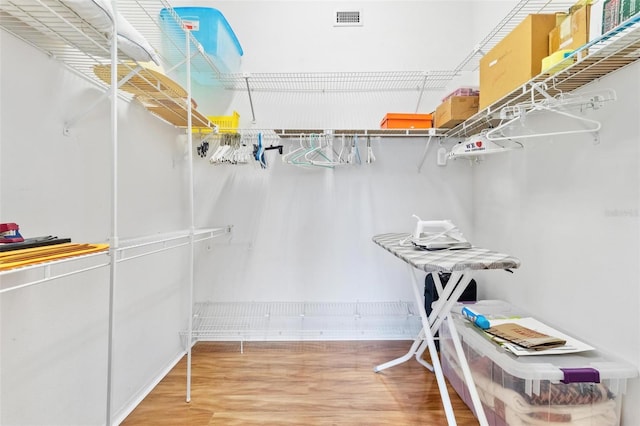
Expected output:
(515, 59)
(406, 121)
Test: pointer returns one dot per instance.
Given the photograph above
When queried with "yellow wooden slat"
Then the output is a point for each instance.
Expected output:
(146, 81)
(24, 257)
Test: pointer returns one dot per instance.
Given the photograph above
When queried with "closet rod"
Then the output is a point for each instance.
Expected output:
(295, 133)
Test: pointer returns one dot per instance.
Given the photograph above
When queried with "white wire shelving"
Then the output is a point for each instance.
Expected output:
(39, 273)
(286, 321)
(604, 55)
(516, 15)
(128, 249)
(55, 29)
(51, 26)
(137, 247)
(343, 82)
(276, 134)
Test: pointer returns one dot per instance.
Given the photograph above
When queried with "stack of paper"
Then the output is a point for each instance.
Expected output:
(570, 345)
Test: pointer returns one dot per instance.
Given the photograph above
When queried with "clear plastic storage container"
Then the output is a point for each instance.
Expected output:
(584, 388)
(211, 29)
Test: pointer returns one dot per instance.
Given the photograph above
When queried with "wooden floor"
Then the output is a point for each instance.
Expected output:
(299, 383)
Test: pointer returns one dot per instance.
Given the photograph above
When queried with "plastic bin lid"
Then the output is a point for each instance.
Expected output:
(212, 12)
(554, 368)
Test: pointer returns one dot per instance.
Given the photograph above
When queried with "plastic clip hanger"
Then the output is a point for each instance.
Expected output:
(370, 157)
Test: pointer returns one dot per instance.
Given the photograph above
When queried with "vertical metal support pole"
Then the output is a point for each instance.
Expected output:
(191, 216)
(113, 243)
(253, 114)
(424, 83)
(424, 154)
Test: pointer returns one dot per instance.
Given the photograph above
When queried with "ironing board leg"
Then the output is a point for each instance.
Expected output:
(425, 340)
(435, 359)
(466, 372)
(423, 347)
(404, 358)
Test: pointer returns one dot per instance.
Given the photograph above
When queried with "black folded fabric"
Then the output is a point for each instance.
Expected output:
(34, 242)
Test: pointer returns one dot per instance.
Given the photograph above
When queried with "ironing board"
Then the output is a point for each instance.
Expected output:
(460, 263)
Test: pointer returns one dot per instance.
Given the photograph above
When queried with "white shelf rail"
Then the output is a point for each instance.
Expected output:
(274, 134)
(51, 270)
(17, 278)
(144, 246)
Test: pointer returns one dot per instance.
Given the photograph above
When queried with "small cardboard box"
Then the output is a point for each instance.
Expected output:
(516, 58)
(455, 110)
(554, 34)
(573, 31)
(554, 40)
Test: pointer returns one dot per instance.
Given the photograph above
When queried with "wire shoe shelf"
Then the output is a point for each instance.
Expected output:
(284, 321)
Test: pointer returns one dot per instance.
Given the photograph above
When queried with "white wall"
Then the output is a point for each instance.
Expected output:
(304, 234)
(299, 37)
(299, 234)
(53, 363)
(568, 208)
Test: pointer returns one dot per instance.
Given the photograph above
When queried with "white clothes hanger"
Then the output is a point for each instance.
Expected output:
(289, 156)
(310, 153)
(317, 156)
(496, 134)
(556, 105)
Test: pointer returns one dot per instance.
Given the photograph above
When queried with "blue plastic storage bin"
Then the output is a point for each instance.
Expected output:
(212, 31)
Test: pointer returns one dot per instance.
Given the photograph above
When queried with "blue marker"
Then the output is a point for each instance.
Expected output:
(478, 320)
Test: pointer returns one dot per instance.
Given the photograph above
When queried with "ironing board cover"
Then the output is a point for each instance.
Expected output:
(444, 260)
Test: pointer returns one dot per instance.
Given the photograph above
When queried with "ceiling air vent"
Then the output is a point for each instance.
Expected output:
(348, 18)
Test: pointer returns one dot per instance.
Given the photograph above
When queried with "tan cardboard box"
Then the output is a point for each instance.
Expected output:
(455, 110)
(554, 40)
(554, 34)
(572, 32)
(516, 58)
